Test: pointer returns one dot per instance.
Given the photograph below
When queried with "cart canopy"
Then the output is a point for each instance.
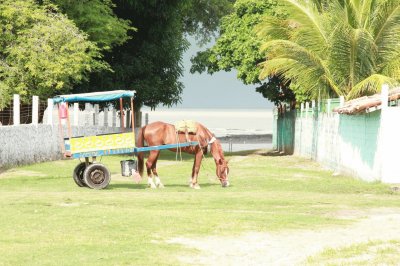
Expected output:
(104, 96)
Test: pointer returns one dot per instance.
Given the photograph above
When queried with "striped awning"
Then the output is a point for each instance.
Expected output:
(104, 96)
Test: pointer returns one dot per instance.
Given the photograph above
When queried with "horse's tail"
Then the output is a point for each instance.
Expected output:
(140, 143)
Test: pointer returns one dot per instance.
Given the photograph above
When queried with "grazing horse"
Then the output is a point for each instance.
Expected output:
(160, 133)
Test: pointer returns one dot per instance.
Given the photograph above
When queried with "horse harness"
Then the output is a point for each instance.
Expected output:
(189, 127)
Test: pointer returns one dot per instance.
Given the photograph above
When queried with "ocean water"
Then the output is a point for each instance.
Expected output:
(222, 122)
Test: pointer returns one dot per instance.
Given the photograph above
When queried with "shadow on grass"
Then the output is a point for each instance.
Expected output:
(270, 153)
(187, 185)
(144, 186)
(127, 186)
(278, 153)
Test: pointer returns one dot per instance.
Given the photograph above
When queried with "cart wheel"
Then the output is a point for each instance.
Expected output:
(78, 174)
(96, 176)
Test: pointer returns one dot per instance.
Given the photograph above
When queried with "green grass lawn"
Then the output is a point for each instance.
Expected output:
(45, 219)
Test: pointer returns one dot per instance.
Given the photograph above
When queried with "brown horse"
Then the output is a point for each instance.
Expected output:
(160, 133)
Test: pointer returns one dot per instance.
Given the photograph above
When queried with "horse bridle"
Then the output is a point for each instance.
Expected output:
(212, 140)
(226, 174)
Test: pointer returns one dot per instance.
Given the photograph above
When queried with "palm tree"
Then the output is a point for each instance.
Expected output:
(334, 47)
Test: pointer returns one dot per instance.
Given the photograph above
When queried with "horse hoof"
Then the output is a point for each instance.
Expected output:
(225, 184)
(194, 186)
(151, 186)
(160, 185)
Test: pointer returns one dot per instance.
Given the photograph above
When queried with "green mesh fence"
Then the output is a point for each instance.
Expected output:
(283, 131)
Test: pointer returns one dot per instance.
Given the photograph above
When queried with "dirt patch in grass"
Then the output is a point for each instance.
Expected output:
(292, 247)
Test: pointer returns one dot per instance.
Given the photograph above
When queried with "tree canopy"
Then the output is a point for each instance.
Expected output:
(202, 18)
(238, 47)
(42, 52)
(334, 47)
(58, 46)
(97, 19)
(150, 61)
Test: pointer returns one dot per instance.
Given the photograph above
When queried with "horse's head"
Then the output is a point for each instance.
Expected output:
(222, 165)
(222, 172)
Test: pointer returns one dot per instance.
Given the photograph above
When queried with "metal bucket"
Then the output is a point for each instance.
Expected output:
(128, 167)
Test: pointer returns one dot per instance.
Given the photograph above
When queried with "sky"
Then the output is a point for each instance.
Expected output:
(220, 90)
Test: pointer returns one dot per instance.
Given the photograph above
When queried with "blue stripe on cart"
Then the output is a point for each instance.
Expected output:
(166, 147)
(133, 150)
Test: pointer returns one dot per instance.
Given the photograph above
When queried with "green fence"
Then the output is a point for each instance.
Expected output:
(284, 131)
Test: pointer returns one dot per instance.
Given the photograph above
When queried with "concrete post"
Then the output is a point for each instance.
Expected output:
(341, 101)
(50, 108)
(96, 115)
(301, 109)
(329, 106)
(76, 114)
(16, 110)
(307, 106)
(35, 110)
(313, 105)
(114, 118)
(385, 96)
(87, 114)
(105, 111)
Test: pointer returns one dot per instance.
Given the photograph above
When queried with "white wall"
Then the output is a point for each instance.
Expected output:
(26, 144)
(362, 145)
(390, 145)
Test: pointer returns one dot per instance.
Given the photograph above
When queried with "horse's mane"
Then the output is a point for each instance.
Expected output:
(216, 150)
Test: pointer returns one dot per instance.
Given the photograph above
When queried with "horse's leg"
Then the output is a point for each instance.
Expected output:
(195, 170)
(154, 170)
(152, 160)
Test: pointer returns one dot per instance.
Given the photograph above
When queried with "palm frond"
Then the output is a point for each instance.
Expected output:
(352, 56)
(371, 85)
(305, 68)
(359, 12)
(272, 28)
(305, 22)
(276, 67)
(385, 28)
(392, 68)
